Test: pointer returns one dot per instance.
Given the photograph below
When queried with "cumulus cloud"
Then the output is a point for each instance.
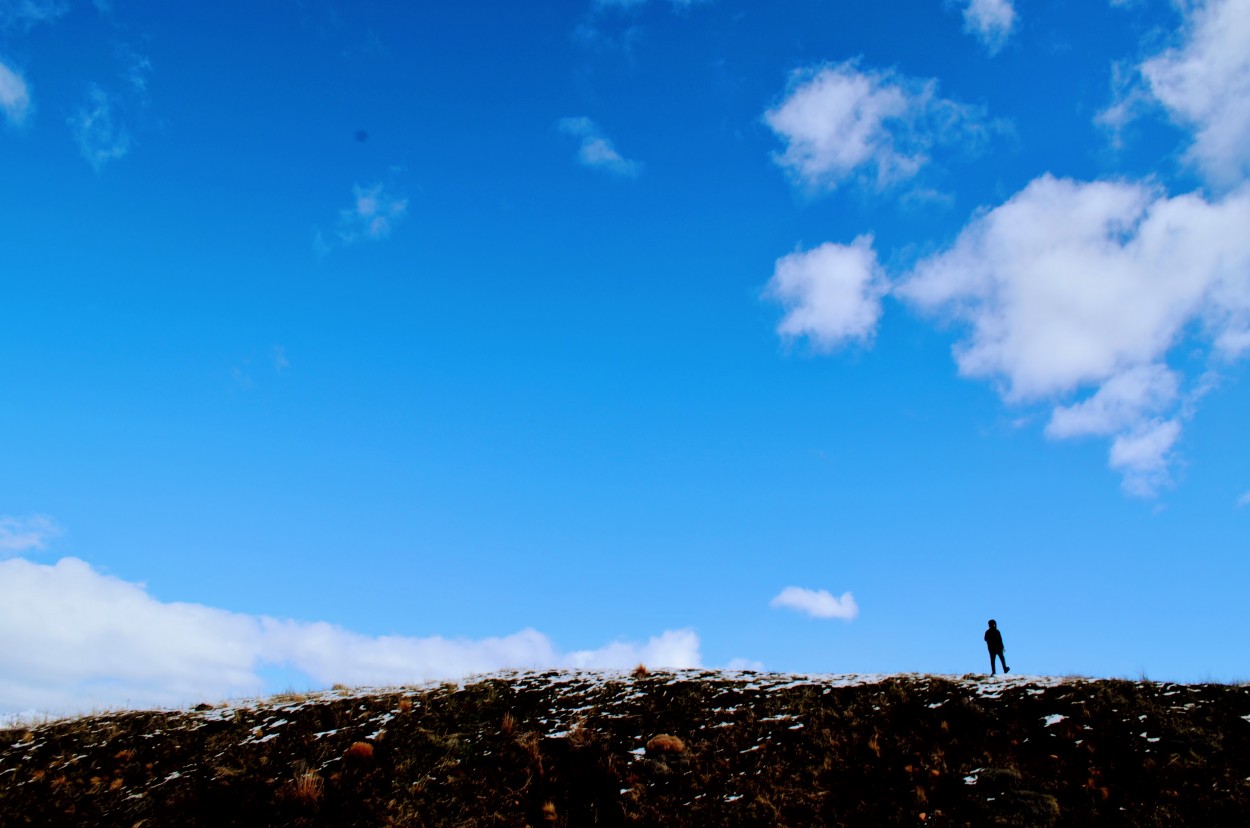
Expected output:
(22, 534)
(816, 603)
(1077, 285)
(76, 638)
(832, 293)
(990, 21)
(372, 216)
(595, 150)
(100, 134)
(14, 96)
(1205, 84)
(839, 122)
(1123, 402)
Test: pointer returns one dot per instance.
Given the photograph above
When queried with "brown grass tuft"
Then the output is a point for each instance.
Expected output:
(549, 812)
(405, 705)
(508, 726)
(359, 751)
(666, 743)
(308, 787)
(641, 671)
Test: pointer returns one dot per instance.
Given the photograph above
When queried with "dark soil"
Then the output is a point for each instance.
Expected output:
(579, 749)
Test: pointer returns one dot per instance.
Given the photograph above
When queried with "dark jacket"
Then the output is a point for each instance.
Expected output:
(994, 640)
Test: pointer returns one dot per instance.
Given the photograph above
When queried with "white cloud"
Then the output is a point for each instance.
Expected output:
(990, 21)
(595, 150)
(1143, 456)
(1125, 401)
(816, 603)
(1205, 85)
(1071, 285)
(673, 648)
(1243, 501)
(372, 216)
(76, 638)
(21, 534)
(838, 122)
(14, 96)
(745, 664)
(100, 135)
(832, 293)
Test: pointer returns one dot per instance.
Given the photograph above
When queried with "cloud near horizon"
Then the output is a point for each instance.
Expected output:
(82, 639)
(816, 603)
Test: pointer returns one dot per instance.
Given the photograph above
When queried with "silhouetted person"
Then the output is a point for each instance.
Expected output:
(994, 640)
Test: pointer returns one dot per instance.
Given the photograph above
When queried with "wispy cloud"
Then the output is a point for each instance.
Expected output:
(594, 148)
(1243, 501)
(842, 123)
(26, 13)
(14, 96)
(100, 134)
(24, 534)
(601, 5)
(990, 21)
(82, 639)
(832, 293)
(374, 213)
(817, 603)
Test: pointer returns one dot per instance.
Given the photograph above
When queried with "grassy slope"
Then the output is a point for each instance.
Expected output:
(572, 749)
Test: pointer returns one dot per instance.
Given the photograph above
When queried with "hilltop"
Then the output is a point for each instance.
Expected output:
(691, 748)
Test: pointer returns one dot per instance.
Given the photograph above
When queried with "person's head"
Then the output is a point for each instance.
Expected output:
(993, 623)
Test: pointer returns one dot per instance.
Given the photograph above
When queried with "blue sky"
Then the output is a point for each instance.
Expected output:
(378, 342)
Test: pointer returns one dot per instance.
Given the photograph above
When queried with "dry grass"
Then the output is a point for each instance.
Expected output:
(563, 750)
(308, 787)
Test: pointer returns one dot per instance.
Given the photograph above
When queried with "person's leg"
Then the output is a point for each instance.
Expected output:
(992, 654)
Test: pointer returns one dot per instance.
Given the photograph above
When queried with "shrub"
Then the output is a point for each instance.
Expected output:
(666, 743)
